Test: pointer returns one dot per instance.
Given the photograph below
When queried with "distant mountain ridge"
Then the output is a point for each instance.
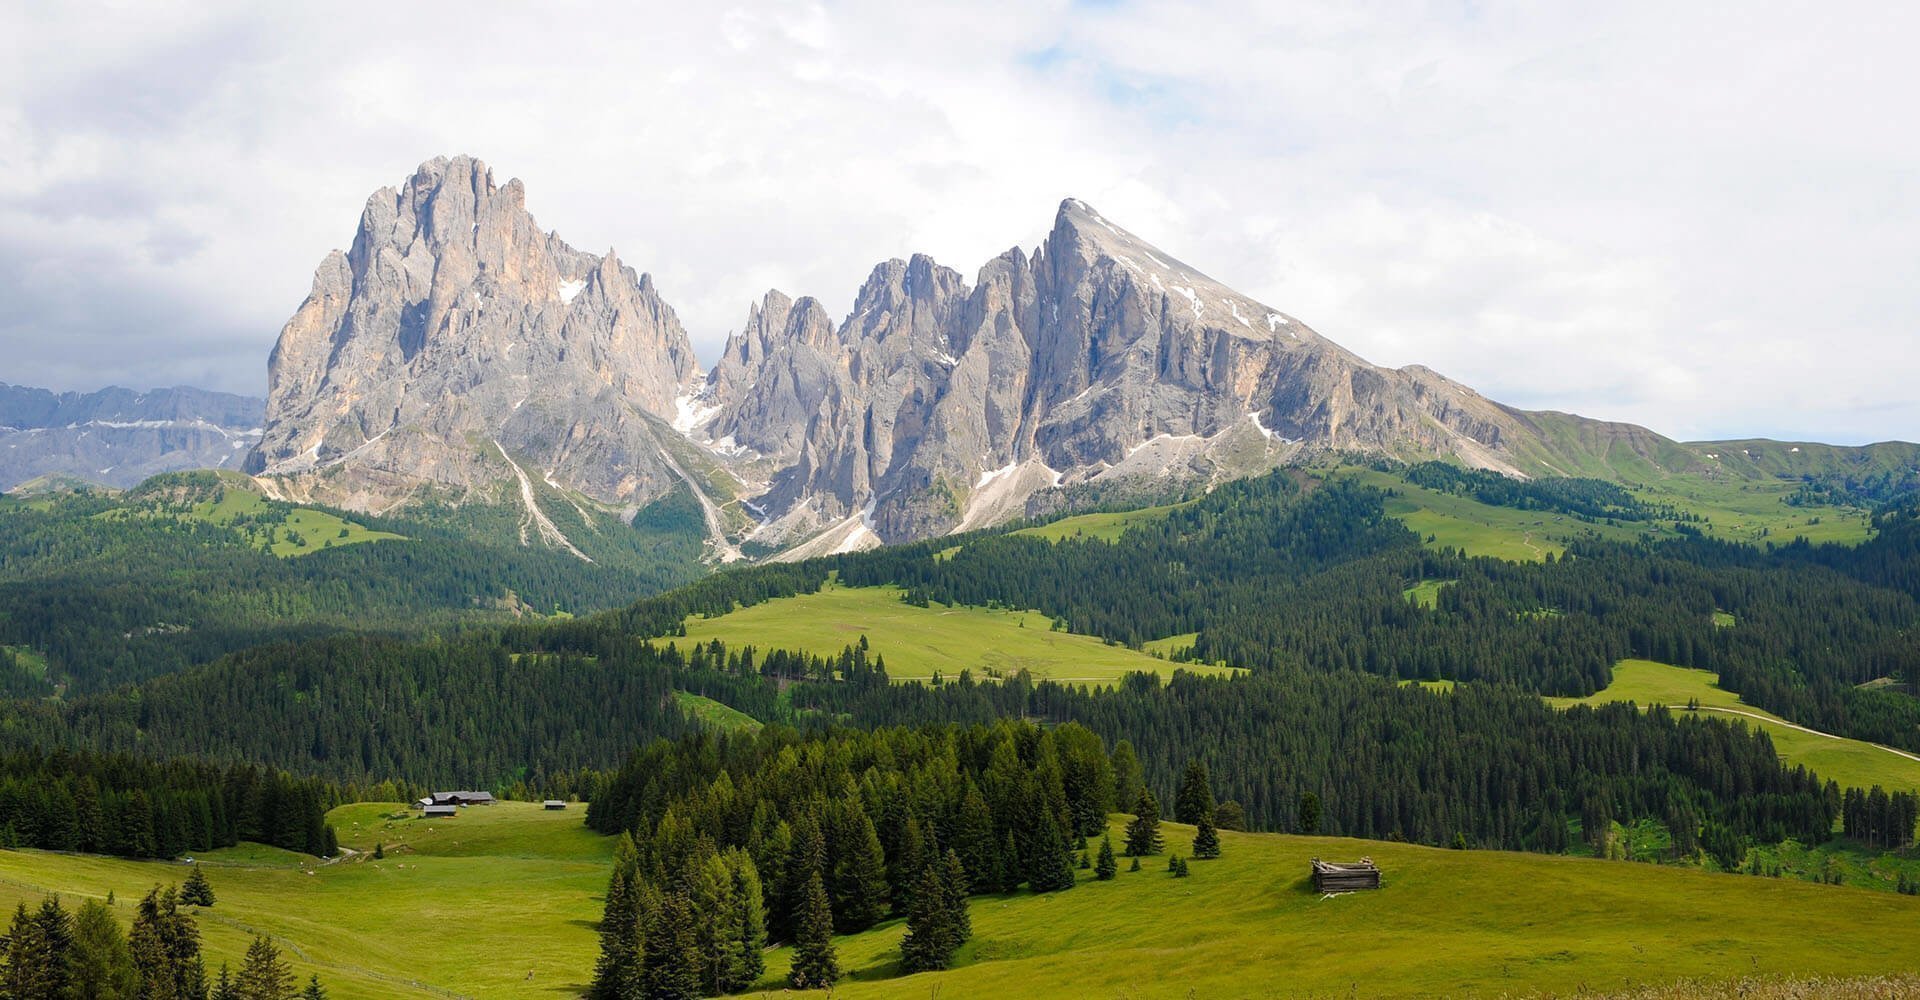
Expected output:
(118, 437)
(457, 351)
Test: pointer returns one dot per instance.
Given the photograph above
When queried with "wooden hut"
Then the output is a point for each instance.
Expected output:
(1331, 877)
(553, 805)
(432, 811)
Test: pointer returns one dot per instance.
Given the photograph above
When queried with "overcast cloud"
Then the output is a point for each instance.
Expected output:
(1699, 219)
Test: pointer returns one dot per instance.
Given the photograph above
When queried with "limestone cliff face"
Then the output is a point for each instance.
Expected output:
(454, 333)
(937, 405)
(457, 346)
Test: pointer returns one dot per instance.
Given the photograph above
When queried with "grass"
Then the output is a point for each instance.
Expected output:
(502, 901)
(499, 902)
(1426, 593)
(1106, 526)
(1448, 923)
(1852, 763)
(725, 718)
(918, 642)
(1734, 510)
(29, 658)
(1724, 619)
(301, 529)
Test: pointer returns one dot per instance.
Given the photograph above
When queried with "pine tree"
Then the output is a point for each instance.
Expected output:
(954, 886)
(1196, 795)
(314, 990)
(1127, 782)
(264, 976)
(102, 966)
(166, 949)
(814, 963)
(1105, 868)
(1010, 872)
(1135, 866)
(1143, 832)
(974, 839)
(748, 924)
(671, 968)
(859, 870)
(616, 975)
(222, 986)
(1206, 840)
(1049, 864)
(930, 938)
(196, 890)
(1309, 813)
(36, 953)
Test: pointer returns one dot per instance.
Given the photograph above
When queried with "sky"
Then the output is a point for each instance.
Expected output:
(1703, 218)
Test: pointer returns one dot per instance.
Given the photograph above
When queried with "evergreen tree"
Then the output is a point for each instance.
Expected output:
(858, 871)
(196, 890)
(1105, 868)
(1127, 780)
(1196, 794)
(165, 944)
(954, 885)
(314, 990)
(671, 968)
(975, 840)
(264, 976)
(102, 965)
(616, 975)
(930, 938)
(1143, 832)
(1010, 870)
(748, 925)
(1135, 866)
(814, 963)
(1309, 813)
(1049, 863)
(222, 986)
(379, 851)
(36, 953)
(1177, 865)
(1206, 840)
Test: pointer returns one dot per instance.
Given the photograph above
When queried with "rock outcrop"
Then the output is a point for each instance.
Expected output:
(118, 437)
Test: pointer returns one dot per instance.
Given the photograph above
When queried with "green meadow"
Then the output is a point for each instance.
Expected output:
(724, 718)
(502, 902)
(918, 642)
(299, 531)
(1106, 526)
(1852, 763)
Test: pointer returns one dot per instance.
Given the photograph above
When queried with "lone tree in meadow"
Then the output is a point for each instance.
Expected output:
(1106, 868)
(196, 890)
(815, 965)
(1206, 840)
(1143, 832)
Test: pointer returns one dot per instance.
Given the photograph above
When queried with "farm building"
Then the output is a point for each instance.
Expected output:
(554, 804)
(432, 811)
(457, 799)
(1330, 877)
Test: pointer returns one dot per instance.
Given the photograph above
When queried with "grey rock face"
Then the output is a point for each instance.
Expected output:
(939, 406)
(456, 345)
(455, 330)
(118, 437)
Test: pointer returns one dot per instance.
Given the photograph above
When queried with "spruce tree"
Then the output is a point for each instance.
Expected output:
(264, 976)
(196, 890)
(956, 890)
(1106, 868)
(101, 964)
(815, 965)
(671, 966)
(930, 938)
(166, 948)
(1206, 840)
(1143, 832)
(1010, 871)
(1049, 864)
(1196, 795)
(1135, 866)
(222, 986)
(314, 990)
(616, 975)
(36, 954)
(1309, 813)
(859, 887)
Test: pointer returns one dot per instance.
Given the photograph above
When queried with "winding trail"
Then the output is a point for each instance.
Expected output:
(1770, 720)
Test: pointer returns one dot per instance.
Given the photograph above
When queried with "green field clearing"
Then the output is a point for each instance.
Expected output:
(725, 718)
(34, 661)
(498, 902)
(1426, 593)
(1852, 763)
(1170, 645)
(1440, 686)
(916, 641)
(1107, 526)
(502, 901)
(1737, 511)
(304, 529)
(1448, 923)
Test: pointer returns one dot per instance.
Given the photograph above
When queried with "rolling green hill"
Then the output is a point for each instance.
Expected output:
(918, 642)
(502, 902)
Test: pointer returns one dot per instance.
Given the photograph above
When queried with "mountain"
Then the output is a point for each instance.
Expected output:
(455, 347)
(456, 352)
(118, 437)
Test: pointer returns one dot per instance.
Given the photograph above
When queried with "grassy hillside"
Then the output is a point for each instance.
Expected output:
(917, 641)
(1455, 923)
(1106, 526)
(1852, 763)
(725, 718)
(502, 902)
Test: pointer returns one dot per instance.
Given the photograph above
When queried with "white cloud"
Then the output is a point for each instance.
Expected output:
(1695, 221)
